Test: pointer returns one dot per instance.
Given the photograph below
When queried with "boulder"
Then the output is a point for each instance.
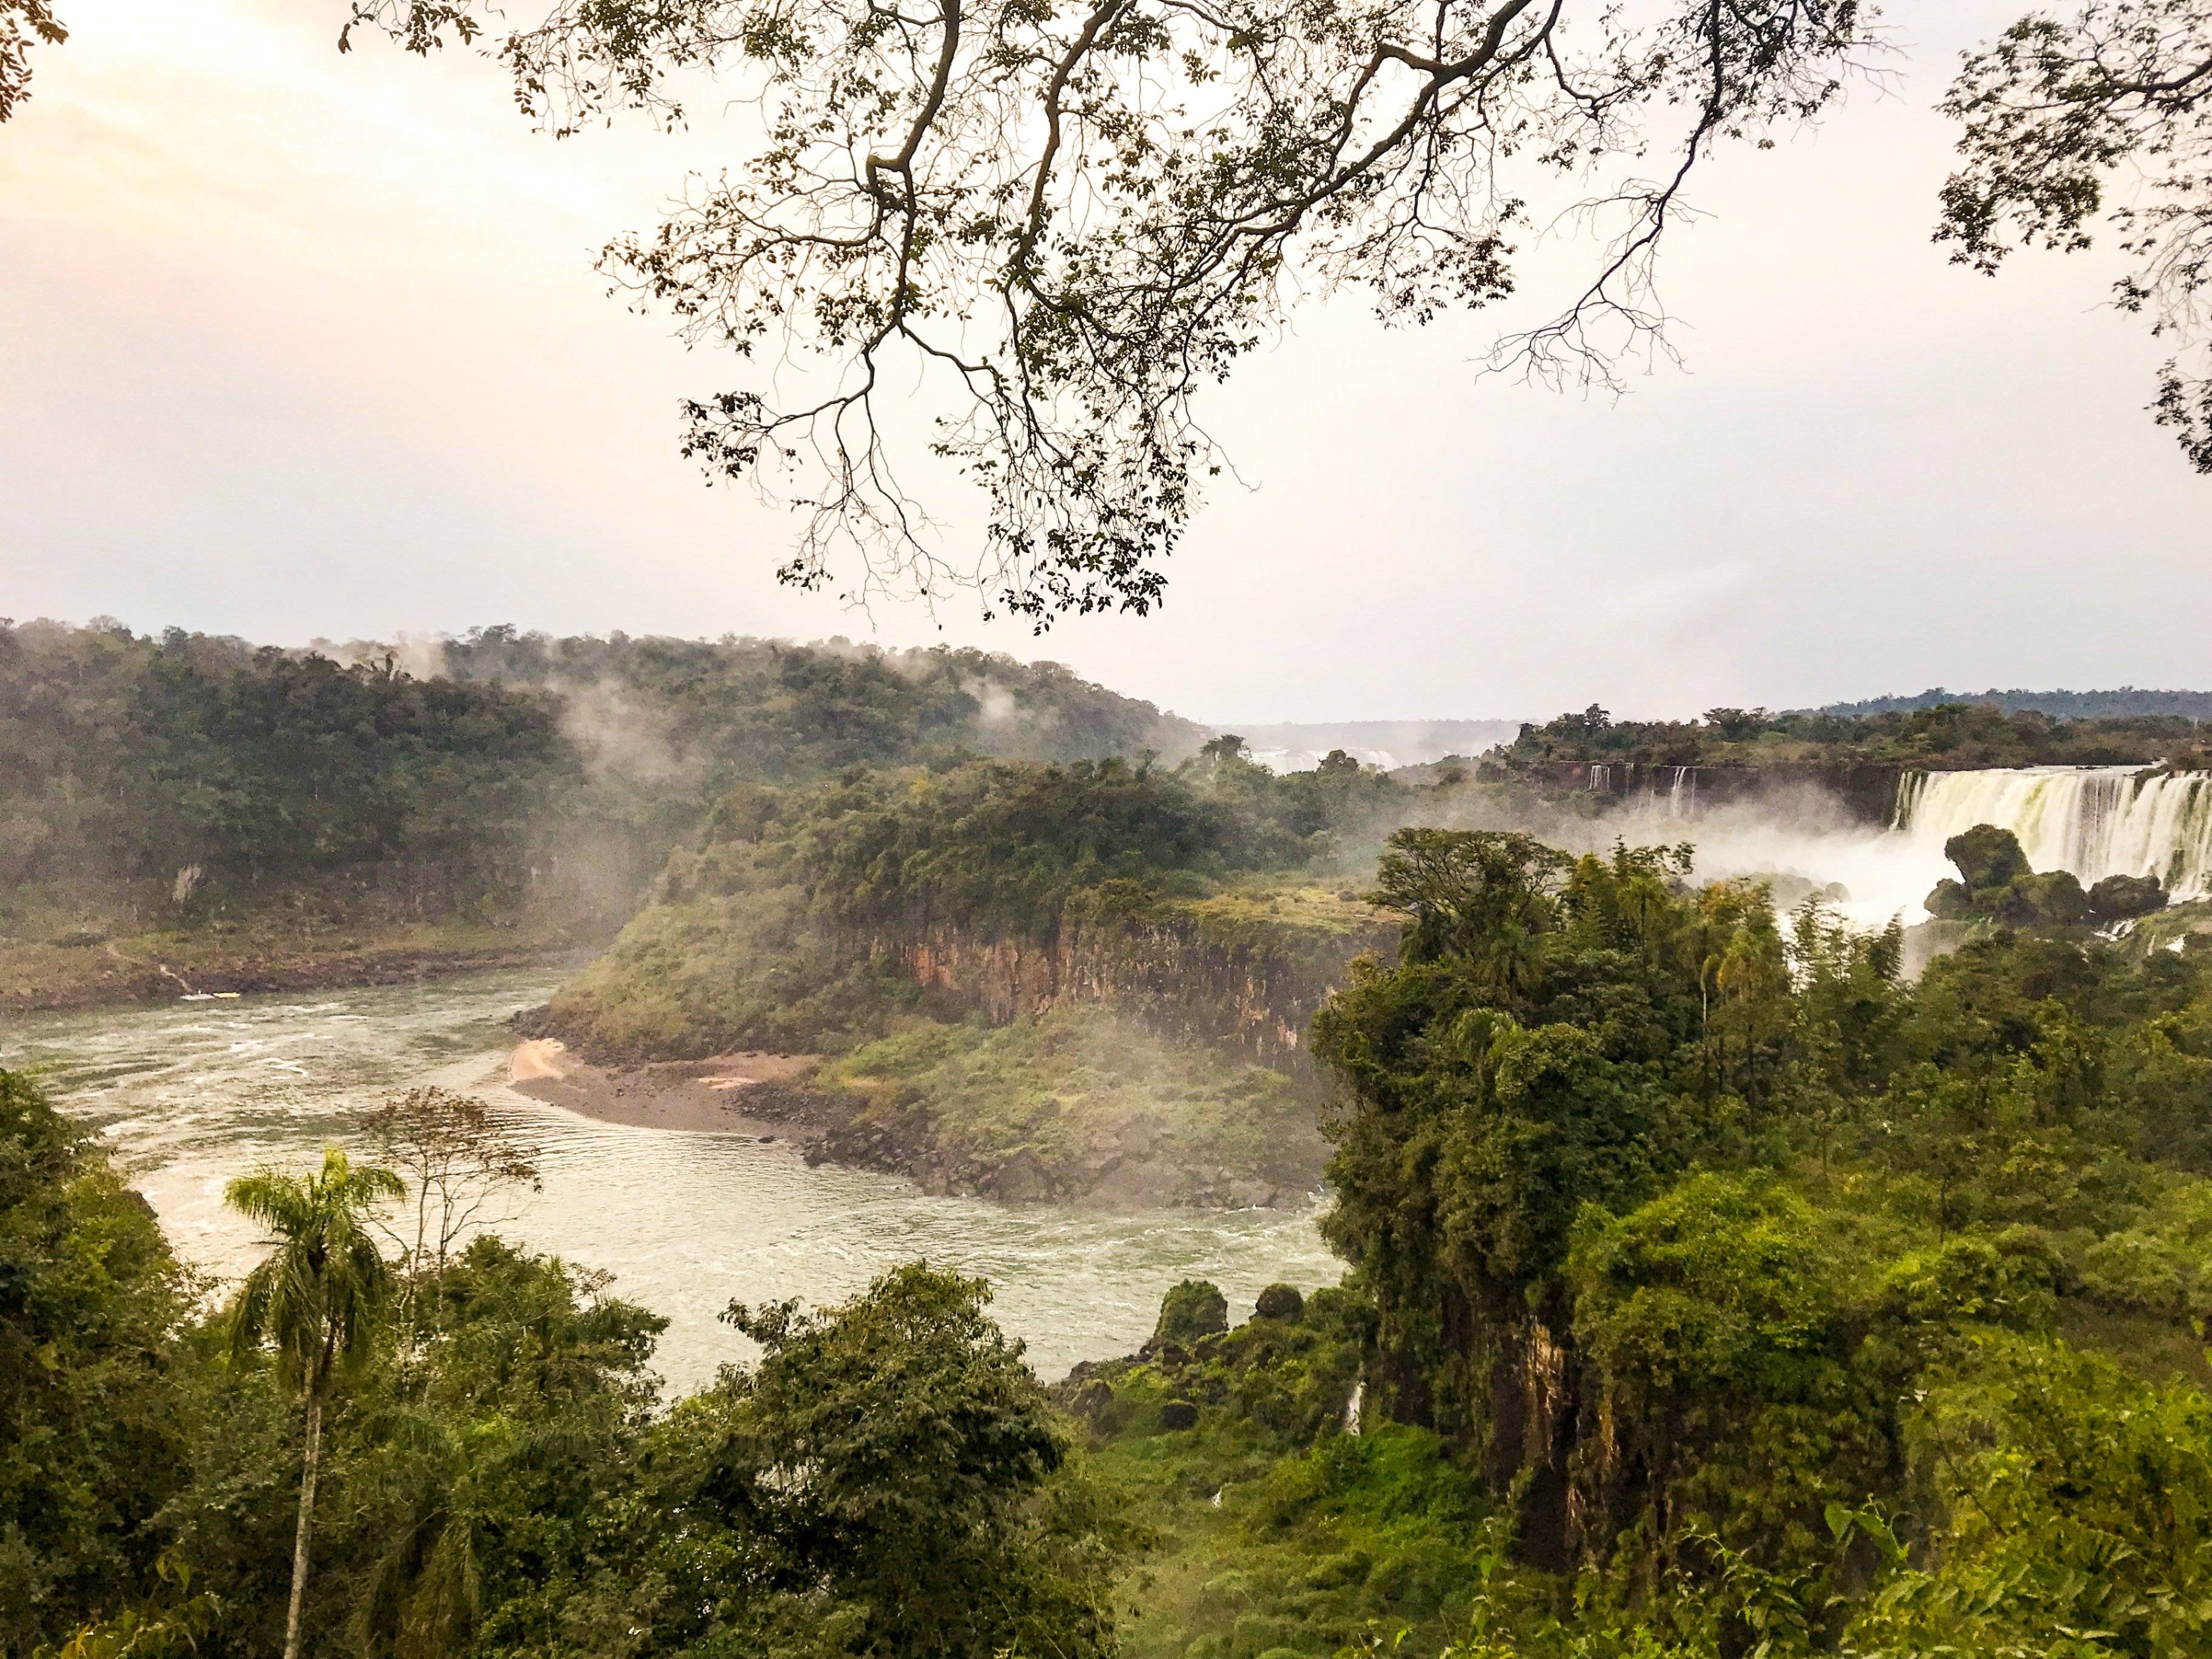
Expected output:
(1987, 857)
(2053, 900)
(2122, 898)
(1192, 1310)
(1177, 1414)
(1280, 1301)
(1949, 900)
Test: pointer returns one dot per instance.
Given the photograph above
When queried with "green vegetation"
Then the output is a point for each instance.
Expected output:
(313, 1301)
(496, 1476)
(1946, 735)
(1751, 1299)
(1080, 1103)
(1141, 937)
(2128, 702)
(1995, 885)
(801, 920)
(1712, 1292)
(197, 803)
(92, 1447)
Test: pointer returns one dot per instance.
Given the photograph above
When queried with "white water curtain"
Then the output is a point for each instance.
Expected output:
(2095, 821)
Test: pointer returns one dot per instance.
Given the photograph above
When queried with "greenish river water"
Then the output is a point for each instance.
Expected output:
(189, 1094)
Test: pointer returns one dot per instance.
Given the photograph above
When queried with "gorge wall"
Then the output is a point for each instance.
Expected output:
(1868, 791)
(1230, 971)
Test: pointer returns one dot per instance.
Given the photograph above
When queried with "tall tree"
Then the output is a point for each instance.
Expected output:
(313, 1302)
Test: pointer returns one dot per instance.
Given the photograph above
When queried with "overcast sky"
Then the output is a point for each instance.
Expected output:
(293, 344)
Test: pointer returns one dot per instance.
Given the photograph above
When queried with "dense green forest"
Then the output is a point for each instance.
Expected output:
(1710, 1290)
(1026, 980)
(191, 787)
(2128, 702)
(494, 1472)
(1957, 734)
(785, 928)
(1716, 1293)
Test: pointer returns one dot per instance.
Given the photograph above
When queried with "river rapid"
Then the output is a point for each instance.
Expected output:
(189, 1094)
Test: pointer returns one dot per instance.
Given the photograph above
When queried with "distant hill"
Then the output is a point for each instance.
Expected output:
(2128, 702)
(186, 775)
(1298, 745)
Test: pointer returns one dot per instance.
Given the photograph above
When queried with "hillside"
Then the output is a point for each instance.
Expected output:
(193, 805)
(889, 921)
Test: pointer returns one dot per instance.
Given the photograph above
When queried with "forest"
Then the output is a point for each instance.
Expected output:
(1955, 734)
(781, 931)
(1014, 978)
(125, 758)
(1709, 1290)
(187, 799)
(2127, 702)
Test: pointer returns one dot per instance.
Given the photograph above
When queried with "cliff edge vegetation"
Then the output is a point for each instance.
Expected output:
(1029, 980)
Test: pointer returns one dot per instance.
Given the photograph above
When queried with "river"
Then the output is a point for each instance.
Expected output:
(189, 1094)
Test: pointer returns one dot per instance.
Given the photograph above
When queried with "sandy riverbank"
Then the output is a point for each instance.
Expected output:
(704, 1096)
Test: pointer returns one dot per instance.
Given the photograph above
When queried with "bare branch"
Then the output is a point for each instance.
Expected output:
(1052, 226)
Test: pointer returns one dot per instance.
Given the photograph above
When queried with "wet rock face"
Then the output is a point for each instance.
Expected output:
(2122, 898)
(1251, 988)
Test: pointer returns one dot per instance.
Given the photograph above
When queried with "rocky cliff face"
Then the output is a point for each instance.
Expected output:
(1869, 792)
(1229, 974)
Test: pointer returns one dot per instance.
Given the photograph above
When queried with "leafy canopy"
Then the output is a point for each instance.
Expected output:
(315, 1299)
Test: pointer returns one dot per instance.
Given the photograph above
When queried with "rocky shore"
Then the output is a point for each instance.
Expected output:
(1098, 1145)
(48, 977)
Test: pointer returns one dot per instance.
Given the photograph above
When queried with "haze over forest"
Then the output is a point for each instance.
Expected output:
(1194, 905)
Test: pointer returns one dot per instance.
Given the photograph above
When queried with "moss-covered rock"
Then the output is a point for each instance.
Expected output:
(2123, 898)
(1280, 1301)
(1988, 857)
(2054, 899)
(1997, 885)
(1949, 900)
(1192, 1310)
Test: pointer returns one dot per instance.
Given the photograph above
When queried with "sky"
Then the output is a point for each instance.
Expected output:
(298, 345)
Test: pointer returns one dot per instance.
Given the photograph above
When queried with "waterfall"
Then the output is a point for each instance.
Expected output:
(1353, 1413)
(2096, 820)
(1682, 799)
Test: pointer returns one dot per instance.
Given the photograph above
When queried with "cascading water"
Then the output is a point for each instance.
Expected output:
(2095, 821)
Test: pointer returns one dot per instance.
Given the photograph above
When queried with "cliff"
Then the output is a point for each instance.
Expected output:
(1243, 971)
(1868, 790)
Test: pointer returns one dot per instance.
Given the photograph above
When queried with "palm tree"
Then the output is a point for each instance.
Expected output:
(313, 1300)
